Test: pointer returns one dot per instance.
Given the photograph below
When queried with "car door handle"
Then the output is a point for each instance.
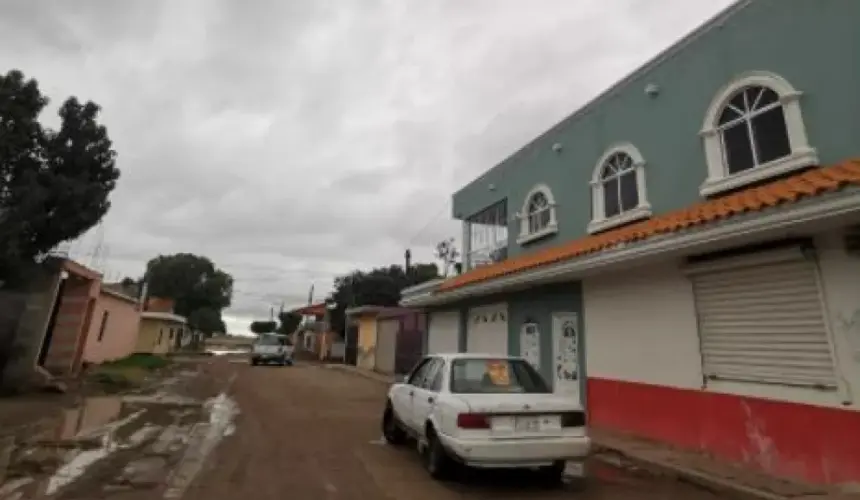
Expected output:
(411, 393)
(431, 399)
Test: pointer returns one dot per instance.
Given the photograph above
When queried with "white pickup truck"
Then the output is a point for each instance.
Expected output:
(272, 348)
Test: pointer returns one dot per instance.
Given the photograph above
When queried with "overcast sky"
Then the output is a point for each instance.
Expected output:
(294, 140)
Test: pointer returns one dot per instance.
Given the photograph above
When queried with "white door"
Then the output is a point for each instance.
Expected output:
(530, 344)
(565, 347)
(424, 397)
(487, 330)
(443, 332)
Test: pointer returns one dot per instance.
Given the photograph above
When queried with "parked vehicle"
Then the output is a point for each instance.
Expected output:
(485, 411)
(272, 348)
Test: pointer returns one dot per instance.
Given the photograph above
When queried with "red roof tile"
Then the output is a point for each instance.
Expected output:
(813, 182)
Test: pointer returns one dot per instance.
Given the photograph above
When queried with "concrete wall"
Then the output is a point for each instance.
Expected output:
(367, 342)
(120, 329)
(645, 375)
(77, 304)
(32, 325)
(154, 336)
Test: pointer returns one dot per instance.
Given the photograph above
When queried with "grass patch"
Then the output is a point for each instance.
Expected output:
(127, 373)
(143, 361)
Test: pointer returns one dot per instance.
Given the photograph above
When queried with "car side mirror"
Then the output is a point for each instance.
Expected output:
(404, 379)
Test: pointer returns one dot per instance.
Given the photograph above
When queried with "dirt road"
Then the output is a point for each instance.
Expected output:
(311, 432)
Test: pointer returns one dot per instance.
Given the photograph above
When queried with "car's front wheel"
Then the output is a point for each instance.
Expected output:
(391, 430)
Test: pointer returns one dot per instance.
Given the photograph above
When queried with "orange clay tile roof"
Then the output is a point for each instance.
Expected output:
(809, 183)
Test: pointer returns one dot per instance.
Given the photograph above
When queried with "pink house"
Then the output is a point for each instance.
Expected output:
(114, 327)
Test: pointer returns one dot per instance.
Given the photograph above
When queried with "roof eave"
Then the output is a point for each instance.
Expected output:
(837, 207)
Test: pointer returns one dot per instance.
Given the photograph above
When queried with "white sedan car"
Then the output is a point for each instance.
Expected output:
(485, 411)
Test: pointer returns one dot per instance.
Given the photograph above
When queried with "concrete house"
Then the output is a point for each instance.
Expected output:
(683, 253)
(113, 331)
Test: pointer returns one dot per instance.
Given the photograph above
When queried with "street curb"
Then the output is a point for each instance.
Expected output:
(376, 377)
(702, 479)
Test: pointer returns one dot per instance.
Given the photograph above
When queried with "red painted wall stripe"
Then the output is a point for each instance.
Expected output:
(812, 443)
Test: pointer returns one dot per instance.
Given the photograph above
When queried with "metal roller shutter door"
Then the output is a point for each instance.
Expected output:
(386, 344)
(443, 332)
(487, 330)
(764, 322)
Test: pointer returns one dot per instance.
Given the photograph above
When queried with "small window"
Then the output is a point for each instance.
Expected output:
(538, 216)
(618, 189)
(753, 131)
(103, 326)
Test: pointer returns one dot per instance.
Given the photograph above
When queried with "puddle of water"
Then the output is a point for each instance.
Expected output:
(202, 440)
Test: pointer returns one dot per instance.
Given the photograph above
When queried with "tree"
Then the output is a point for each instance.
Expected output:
(261, 327)
(288, 322)
(379, 287)
(207, 320)
(448, 254)
(192, 281)
(199, 289)
(54, 184)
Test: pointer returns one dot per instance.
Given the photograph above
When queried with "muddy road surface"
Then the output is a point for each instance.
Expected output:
(311, 432)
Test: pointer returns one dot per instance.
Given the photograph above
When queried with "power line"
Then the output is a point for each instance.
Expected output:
(427, 225)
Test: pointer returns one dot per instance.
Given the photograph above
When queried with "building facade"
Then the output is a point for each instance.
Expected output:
(114, 328)
(682, 254)
(159, 332)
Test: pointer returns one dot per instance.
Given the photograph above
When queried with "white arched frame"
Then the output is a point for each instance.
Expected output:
(531, 232)
(801, 155)
(602, 221)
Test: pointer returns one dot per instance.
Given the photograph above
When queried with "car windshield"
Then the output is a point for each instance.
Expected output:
(493, 376)
(271, 340)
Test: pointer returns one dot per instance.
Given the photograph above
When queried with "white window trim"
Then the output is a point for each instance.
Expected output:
(642, 211)
(802, 154)
(523, 216)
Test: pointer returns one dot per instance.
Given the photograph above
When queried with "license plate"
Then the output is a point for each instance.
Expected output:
(527, 424)
(537, 424)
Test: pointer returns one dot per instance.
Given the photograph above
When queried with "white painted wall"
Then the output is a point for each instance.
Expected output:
(640, 326)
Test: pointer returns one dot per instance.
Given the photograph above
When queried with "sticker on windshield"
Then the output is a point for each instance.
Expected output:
(498, 372)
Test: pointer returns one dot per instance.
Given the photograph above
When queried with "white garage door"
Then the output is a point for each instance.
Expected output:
(487, 330)
(443, 332)
(763, 322)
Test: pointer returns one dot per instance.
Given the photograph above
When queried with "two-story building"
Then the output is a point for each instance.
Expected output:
(682, 254)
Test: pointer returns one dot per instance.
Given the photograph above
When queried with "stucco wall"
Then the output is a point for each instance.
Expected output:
(367, 342)
(120, 334)
(154, 336)
(640, 326)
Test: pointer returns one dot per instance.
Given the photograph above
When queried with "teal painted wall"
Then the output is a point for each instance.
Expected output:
(538, 305)
(809, 42)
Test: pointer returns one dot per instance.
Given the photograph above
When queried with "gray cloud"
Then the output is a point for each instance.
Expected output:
(292, 141)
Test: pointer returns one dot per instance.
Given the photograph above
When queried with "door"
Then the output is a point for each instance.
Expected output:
(443, 332)
(565, 344)
(404, 394)
(487, 330)
(386, 344)
(530, 344)
(426, 391)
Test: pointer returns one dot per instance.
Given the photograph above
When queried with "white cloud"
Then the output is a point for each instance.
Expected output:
(291, 141)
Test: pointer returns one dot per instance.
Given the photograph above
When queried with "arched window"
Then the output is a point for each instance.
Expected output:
(538, 216)
(754, 130)
(618, 189)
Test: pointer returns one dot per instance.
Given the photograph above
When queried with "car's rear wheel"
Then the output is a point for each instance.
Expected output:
(391, 430)
(254, 362)
(436, 459)
(553, 476)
